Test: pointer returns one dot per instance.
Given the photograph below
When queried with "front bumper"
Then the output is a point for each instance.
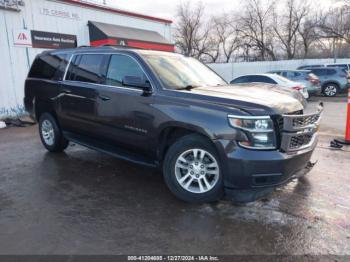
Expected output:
(314, 90)
(251, 169)
(258, 171)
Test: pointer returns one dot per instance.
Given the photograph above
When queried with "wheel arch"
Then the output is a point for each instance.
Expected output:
(171, 133)
(43, 106)
(330, 82)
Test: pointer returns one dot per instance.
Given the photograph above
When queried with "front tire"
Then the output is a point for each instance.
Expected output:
(50, 134)
(192, 170)
(330, 90)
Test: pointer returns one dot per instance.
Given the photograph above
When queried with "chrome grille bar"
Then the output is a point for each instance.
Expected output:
(300, 131)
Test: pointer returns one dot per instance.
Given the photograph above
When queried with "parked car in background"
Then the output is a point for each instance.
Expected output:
(308, 66)
(333, 80)
(272, 79)
(306, 77)
(344, 66)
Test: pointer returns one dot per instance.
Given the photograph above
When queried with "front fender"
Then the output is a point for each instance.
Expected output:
(210, 122)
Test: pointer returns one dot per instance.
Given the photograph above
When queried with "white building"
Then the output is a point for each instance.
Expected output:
(27, 27)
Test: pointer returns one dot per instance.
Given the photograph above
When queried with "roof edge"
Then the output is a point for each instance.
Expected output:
(115, 10)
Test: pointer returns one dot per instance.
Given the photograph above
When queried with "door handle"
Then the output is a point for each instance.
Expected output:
(104, 98)
(66, 91)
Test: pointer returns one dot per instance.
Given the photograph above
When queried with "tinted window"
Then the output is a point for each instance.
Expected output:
(276, 72)
(262, 79)
(241, 79)
(295, 75)
(344, 66)
(62, 67)
(331, 72)
(309, 66)
(320, 72)
(45, 66)
(86, 68)
(121, 66)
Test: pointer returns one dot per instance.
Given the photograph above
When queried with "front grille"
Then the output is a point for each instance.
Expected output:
(305, 120)
(299, 112)
(293, 123)
(297, 131)
(299, 141)
(280, 120)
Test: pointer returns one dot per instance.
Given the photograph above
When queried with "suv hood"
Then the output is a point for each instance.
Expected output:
(249, 96)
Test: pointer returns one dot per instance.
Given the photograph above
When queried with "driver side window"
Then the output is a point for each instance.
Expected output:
(121, 66)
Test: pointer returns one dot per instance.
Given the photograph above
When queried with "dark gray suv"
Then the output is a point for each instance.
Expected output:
(169, 111)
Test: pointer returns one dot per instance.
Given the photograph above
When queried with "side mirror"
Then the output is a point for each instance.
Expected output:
(136, 81)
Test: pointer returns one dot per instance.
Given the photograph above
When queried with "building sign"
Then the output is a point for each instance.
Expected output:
(59, 13)
(50, 40)
(22, 37)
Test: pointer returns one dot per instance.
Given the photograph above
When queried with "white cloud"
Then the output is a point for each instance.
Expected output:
(167, 8)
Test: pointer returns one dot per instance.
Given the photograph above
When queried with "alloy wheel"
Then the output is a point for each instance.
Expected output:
(47, 132)
(330, 90)
(197, 171)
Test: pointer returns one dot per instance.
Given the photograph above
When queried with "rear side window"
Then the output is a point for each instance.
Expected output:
(320, 72)
(241, 79)
(46, 66)
(86, 68)
(277, 73)
(285, 74)
(331, 72)
(262, 79)
(121, 66)
(344, 66)
(294, 75)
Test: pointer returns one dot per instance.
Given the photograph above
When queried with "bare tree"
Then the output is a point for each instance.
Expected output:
(336, 24)
(192, 31)
(264, 30)
(225, 30)
(287, 25)
(213, 44)
(256, 27)
(308, 34)
(212, 52)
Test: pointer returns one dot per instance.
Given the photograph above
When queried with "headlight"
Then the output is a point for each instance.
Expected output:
(259, 130)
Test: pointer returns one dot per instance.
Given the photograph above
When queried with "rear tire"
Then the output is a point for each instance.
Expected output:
(330, 90)
(50, 134)
(192, 170)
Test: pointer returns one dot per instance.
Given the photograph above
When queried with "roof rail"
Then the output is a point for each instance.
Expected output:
(119, 46)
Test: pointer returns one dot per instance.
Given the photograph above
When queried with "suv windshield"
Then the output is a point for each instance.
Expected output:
(179, 72)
